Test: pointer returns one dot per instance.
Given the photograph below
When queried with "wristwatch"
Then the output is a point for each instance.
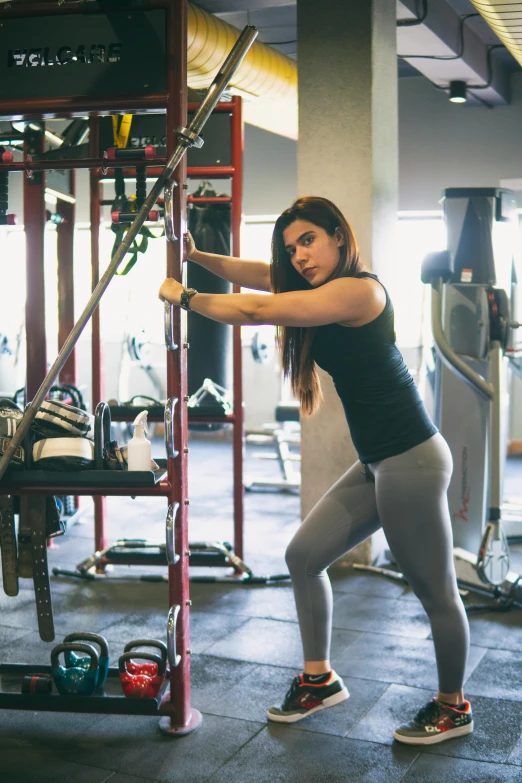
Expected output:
(186, 296)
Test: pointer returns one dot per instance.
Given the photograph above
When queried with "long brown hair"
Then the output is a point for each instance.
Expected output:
(295, 342)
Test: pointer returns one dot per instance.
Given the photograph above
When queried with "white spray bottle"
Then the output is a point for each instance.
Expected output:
(139, 448)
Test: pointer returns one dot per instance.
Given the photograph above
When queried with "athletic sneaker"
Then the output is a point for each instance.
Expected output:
(304, 698)
(436, 722)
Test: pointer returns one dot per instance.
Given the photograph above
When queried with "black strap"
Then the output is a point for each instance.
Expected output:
(8, 546)
(32, 527)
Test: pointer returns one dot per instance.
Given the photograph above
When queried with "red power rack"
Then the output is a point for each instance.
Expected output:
(173, 701)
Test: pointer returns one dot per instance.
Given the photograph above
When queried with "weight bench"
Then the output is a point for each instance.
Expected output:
(282, 434)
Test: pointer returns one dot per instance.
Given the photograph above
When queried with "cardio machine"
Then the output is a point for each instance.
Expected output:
(473, 307)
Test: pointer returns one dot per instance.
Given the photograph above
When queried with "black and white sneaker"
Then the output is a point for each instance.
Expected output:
(304, 697)
(436, 722)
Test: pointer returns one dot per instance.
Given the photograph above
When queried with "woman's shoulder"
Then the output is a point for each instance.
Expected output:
(376, 299)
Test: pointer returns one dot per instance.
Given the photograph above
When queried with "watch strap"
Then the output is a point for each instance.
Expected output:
(186, 296)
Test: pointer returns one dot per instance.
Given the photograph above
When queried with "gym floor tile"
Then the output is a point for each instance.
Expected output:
(9, 635)
(275, 603)
(28, 648)
(21, 616)
(497, 725)
(498, 675)
(137, 625)
(10, 603)
(122, 778)
(397, 705)
(249, 698)
(38, 731)
(215, 678)
(272, 642)
(381, 615)
(433, 769)
(394, 659)
(515, 757)
(135, 746)
(277, 755)
(91, 618)
(498, 630)
(114, 594)
(207, 628)
(44, 767)
(68, 615)
(346, 580)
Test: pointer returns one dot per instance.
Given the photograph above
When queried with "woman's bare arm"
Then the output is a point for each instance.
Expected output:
(248, 274)
(344, 299)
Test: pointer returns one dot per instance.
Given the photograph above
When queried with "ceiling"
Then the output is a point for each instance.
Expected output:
(444, 34)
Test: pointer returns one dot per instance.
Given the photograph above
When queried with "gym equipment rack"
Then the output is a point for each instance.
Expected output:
(236, 418)
(164, 91)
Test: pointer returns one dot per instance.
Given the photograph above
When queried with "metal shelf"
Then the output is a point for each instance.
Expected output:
(109, 700)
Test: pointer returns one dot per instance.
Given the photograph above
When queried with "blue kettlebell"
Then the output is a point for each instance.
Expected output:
(76, 680)
(72, 660)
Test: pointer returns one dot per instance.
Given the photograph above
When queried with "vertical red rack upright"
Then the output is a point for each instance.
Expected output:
(179, 718)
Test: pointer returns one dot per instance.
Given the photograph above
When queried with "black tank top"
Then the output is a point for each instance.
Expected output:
(385, 413)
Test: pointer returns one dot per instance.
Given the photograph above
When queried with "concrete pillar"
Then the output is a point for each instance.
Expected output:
(347, 152)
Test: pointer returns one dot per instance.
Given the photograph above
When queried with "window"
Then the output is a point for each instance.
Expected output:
(416, 237)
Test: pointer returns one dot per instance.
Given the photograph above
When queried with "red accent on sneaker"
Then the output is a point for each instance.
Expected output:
(460, 712)
(445, 723)
(309, 702)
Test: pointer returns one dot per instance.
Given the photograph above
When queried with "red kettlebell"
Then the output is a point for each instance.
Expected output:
(141, 686)
(146, 668)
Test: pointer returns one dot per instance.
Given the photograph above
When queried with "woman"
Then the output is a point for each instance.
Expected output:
(330, 311)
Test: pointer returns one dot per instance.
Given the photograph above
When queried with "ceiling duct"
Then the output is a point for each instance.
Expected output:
(505, 19)
(267, 79)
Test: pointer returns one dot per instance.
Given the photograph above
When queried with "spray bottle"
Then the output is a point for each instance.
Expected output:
(139, 448)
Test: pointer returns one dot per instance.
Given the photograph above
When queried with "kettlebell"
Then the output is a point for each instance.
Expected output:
(146, 668)
(141, 686)
(72, 660)
(75, 680)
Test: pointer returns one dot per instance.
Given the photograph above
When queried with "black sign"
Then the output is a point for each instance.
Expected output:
(151, 129)
(75, 55)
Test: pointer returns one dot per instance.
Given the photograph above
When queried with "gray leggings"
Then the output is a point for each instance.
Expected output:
(406, 494)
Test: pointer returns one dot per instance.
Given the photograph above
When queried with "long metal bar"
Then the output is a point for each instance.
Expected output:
(93, 162)
(163, 488)
(445, 351)
(216, 89)
(239, 424)
(193, 172)
(97, 377)
(496, 457)
(178, 707)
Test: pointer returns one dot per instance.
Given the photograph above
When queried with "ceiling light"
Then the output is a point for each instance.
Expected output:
(457, 92)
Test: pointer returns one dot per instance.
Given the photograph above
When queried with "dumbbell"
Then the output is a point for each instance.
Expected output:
(72, 660)
(141, 686)
(34, 684)
(75, 680)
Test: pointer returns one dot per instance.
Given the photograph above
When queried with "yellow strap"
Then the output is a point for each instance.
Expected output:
(121, 133)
